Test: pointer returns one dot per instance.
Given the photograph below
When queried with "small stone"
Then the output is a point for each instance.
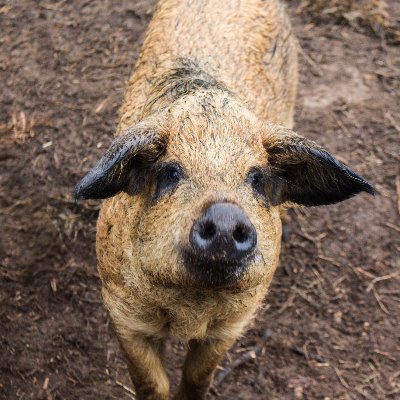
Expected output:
(338, 317)
(298, 392)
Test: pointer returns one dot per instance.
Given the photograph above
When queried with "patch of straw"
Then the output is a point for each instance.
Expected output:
(373, 14)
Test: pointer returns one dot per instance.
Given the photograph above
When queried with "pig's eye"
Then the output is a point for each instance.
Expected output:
(168, 178)
(257, 180)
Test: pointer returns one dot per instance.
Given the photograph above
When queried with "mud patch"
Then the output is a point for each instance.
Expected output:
(338, 82)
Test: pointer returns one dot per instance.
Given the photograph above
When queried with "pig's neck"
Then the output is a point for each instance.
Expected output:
(184, 79)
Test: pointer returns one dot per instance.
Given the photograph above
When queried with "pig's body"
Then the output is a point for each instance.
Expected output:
(203, 163)
(248, 47)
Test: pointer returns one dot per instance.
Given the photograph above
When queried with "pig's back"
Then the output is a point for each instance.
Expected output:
(247, 45)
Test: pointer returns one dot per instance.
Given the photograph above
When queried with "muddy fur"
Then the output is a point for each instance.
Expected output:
(247, 46)
(213, 93)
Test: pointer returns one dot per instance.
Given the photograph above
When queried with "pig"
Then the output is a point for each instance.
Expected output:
(203, 164)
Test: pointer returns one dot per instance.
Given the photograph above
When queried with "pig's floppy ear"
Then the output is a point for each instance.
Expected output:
(304, 173)
(115, 168)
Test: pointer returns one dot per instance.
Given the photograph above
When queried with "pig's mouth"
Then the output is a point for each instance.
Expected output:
(216, 274)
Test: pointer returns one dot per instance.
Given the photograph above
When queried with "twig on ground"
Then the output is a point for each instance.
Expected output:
(329, 259)
(131, 392)
(381, 278)
(379, 300)
(341, 126)
(317, 69)
(365, 273)
(394, 376)
(393, 226)
(392, 121)
(341, 379)
(384, 354)
(288, 303)
(247, 356)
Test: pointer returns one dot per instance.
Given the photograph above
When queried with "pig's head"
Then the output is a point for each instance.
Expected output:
(196, 192)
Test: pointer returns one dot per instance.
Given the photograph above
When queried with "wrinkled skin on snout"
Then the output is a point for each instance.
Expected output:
(189, 237)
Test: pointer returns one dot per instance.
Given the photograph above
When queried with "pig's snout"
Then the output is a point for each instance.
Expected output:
(223, 233)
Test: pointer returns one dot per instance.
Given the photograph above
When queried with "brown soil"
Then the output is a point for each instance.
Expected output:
(333, 310)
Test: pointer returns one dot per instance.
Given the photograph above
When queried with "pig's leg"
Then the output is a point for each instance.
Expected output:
(146, 367)
(201, 361)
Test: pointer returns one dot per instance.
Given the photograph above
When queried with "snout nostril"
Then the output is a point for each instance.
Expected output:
(241, 234)
(207, 230)
(223, 234)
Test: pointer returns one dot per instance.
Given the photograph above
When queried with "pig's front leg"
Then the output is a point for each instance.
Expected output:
(146, 367)
(202, 358)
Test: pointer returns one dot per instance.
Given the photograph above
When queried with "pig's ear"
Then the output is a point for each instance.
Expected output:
(304, 173)
(119, 165)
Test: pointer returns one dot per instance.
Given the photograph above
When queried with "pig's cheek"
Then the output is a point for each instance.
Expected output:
(269, 230)
(156, 239)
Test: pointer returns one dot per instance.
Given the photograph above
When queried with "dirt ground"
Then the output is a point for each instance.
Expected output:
(333, 309)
